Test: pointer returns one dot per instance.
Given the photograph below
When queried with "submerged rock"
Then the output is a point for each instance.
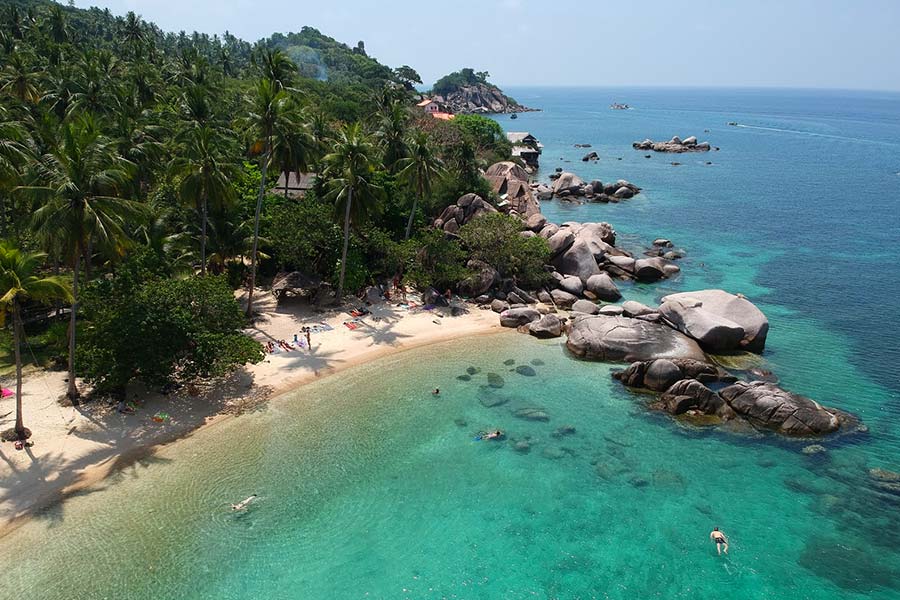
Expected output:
(532, 414)
(526, 371)
(495, 380)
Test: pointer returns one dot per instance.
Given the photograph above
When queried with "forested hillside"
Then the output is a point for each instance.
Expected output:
(130, 156)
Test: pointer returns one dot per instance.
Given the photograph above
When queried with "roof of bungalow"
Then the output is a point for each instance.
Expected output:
(520, 150)
(297, 185)
(442, 115)
(520, 137)
(425, 102)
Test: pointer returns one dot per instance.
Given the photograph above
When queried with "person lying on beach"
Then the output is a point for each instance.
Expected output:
(243, 503)
(719, 538)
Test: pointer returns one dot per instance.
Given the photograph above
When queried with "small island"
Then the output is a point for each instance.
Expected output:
(469, 92)
(676, 145)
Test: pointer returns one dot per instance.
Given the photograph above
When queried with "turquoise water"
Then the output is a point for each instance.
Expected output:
(372, 488)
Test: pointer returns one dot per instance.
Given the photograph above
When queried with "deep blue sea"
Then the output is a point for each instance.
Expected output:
(369, 487)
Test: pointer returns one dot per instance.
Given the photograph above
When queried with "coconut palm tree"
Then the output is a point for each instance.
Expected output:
(349, 173)
(19, 281)
(19, 79)
(392, 133)
(293, 147)
(13, 155)
(206, 176)
(267, 110)
(421, 168)
(79, 185)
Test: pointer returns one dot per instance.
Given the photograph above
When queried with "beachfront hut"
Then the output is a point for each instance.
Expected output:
(295, 283)
(429, 106)
(525, 146)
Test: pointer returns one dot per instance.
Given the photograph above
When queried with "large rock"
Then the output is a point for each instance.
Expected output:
(536, 222)
(636, 309)
(715, 333)
(507, 169)
(634, 375)
(578, 260)
(516, 317)
(602, 286)
(690, 394)
(568, 182)
(548, 326)
(560, 241)
(585, 306)
(661, 374)
(767, 405)
(736, 309)
(548, 231)
(653, 269)
(625, 339)
(563, 298)
(482, 279)
(571, 284)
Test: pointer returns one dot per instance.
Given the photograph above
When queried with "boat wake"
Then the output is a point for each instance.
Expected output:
(814, 134)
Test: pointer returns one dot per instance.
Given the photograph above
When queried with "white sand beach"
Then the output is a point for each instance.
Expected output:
(75, 447)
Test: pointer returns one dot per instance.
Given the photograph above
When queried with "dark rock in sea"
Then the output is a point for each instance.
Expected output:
(734, 308)
(624, 339)
(554, 453)
(847, 565)
(537, 362)
(526, 371)
(813, 449)
(460, 422)
(638, 482)
(661, 374)
(464, 377)
(563, 431)
(532, 414)
(590, 156)
(522, 446)
(495, 380)
(489, 400)
(509, 362)
(763, 375)
(472, 370)
(767, 405)
(691, 395)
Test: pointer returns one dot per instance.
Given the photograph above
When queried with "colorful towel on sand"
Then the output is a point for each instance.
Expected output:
(7, 393)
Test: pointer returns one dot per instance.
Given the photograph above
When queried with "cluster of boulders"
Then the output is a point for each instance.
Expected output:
(479, 98)
(676, 145)
(569, 185)
(590, 156)
(667, 347)
(466, 208)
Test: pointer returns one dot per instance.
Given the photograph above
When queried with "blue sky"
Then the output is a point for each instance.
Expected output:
(848, 44)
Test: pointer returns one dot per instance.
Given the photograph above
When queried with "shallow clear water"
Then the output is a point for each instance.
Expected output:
(371, 488)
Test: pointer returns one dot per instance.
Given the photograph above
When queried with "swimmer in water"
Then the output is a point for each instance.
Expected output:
(244, 503)
(719, 538)
(494, 435)
(436, 392)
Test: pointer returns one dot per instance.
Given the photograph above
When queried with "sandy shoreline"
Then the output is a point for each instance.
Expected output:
(76, 447)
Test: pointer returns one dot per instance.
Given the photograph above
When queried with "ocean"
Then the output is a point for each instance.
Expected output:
(369, 487)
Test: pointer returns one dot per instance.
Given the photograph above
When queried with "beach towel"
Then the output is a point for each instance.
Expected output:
(351, 325)
(7, 393)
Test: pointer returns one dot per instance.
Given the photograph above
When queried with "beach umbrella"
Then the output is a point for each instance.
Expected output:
(7, 393)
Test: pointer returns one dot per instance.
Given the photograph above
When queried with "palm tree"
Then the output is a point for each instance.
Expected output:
(267, 110)
(21, 80)
(13, 154)
(392, 134)
(420, 169)
(19, 282)
(205, 176)
(80, 183)
(275, 66)
(293, 148)
(349, 172)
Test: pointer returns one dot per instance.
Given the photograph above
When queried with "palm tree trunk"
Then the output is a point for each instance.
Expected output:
(203, 211)
(88, 259)
(340, 296)
(287, 178)
(20, 425)
(412, 213)
(72, 393)
(259, 201)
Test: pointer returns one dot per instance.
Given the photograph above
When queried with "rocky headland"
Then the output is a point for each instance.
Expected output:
(675, 145)
(479, 98)
(674, 350)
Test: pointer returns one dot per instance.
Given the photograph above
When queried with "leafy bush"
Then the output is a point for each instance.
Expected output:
(303, 236)
(141, 324)
(454, 81)
(434, 260)
(494, 238)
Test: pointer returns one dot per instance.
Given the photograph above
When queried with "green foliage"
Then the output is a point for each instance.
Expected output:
(142, 324)
(494, 238)
(304, 237)
(485, 134)
(463, 77)
(435, 260)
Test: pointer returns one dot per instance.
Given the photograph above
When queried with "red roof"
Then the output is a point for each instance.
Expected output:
(442, 115)
(425, 102)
